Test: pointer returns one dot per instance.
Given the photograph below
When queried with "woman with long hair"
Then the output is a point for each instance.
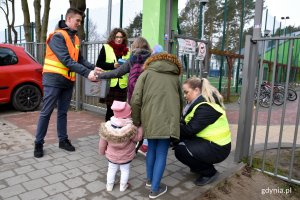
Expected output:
(110, 53)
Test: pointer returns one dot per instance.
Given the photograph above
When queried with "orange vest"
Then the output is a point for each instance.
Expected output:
(53, 65)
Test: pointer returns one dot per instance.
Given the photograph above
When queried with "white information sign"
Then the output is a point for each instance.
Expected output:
(201, 50)
(187, 46)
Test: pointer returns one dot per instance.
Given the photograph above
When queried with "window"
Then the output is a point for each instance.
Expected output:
(7, 57)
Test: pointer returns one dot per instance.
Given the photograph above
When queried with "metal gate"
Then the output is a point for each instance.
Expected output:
(268, 137)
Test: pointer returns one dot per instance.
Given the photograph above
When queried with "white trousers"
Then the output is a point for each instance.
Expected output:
(112, 170)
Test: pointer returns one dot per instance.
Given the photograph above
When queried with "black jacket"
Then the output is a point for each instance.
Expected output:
(58, 45)
(203, 116)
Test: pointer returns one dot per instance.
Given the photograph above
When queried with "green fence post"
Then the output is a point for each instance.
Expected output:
(223, 41)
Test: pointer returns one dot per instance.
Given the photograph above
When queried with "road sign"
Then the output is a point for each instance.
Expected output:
(201, 50)
(187, 46)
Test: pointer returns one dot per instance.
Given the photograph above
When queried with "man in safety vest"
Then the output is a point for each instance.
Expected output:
(62, 61)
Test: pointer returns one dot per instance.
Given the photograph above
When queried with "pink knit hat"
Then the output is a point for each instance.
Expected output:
(121, 109)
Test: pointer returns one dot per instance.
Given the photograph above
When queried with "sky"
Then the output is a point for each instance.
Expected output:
(282, 8)
(98, 13)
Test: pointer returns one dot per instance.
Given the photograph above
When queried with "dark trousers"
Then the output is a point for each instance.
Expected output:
(208, 154)
(115, 93)
(109, 112)
(52, 97)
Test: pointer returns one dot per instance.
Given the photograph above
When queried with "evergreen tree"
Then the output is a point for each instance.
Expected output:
(213, 22)
(135, 27)
(189, 19)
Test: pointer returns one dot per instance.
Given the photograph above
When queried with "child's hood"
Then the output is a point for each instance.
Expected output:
(117, 135)
(140, 55)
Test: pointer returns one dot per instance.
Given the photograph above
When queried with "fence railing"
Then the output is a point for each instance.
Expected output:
(268, 137)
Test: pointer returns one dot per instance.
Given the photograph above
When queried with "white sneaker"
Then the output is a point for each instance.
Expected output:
(109, 187)
(123, 187)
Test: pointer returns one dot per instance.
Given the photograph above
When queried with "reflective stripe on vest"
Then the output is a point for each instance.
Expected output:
(52, 63)
(111, 58)
(217, 132)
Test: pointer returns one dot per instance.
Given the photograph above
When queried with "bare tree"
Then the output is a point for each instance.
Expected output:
(92, 32)
(26, 24)
(37, 13)
(80, 5)
(4, 6)
(41, 26)
(45, 20)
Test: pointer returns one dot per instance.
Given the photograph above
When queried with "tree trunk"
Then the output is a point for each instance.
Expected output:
(13, 21)
(37, 12)
(5, 9)
(80, 5)
(26, 15)
(45, 21)
(230, 62)
(9, 34)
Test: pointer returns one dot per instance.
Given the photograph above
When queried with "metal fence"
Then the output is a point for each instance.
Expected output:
(83, 99)
(91, 50)
(268, 137)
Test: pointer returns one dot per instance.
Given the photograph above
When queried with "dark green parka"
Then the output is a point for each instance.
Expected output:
(157, 98)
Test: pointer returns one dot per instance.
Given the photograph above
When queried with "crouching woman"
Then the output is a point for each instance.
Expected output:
(205, 137)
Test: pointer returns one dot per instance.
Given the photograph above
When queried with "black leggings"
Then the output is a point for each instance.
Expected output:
(109, 113)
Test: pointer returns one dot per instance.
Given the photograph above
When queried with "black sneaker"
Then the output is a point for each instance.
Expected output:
(66, 145)
(203, 180)
(38, 150)
(161, 190)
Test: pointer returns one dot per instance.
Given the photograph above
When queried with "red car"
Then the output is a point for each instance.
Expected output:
(20, 78)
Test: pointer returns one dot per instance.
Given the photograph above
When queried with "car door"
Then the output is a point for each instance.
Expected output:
(8, 61)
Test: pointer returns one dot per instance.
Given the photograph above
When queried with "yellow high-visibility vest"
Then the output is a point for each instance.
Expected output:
(219, 131)
(111, 58)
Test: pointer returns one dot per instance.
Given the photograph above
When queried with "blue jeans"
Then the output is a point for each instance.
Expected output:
(52, 97)
(156, 161)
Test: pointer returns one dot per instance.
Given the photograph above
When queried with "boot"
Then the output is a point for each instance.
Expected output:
(66, 145)
(38, 150)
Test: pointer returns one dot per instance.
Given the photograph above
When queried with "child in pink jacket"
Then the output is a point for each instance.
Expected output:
(118, 138)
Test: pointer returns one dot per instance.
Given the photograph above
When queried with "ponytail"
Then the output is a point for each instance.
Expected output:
(209, 92)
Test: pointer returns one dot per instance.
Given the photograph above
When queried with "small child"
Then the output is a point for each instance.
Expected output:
(118, 138)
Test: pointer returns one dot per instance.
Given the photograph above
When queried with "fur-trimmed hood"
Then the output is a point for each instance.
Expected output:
(164, 62)
(117, 135)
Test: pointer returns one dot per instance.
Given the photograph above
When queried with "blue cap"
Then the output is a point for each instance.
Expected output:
(157, 49)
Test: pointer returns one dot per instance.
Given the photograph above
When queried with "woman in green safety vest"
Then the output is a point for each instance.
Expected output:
(205, 137)
(110, 53)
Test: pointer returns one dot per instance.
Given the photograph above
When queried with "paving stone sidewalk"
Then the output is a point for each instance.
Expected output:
(81, 174)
